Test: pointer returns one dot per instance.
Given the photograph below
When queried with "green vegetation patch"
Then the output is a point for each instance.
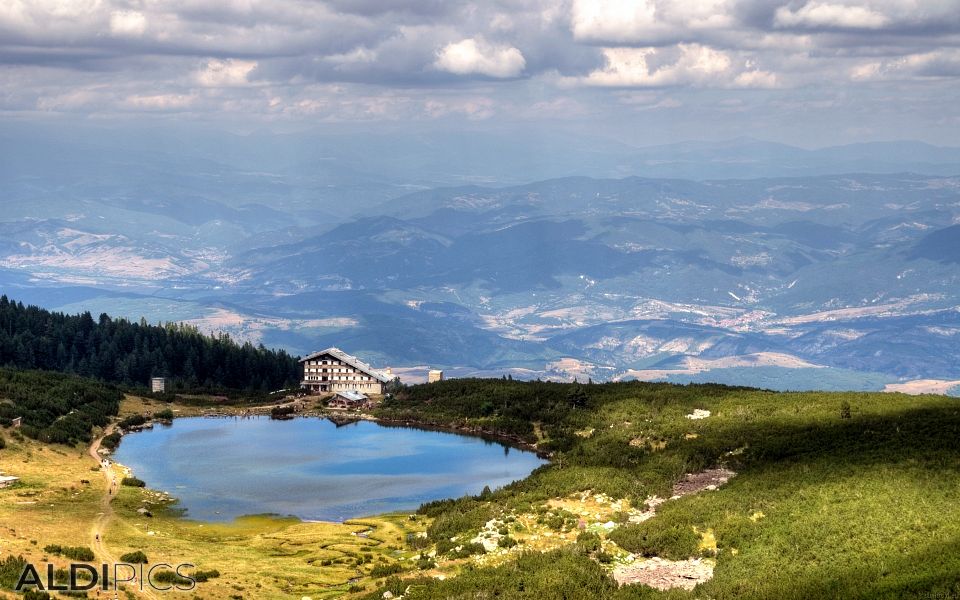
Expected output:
(651, 538)
(837, 495)
(73, 552)
(56, 408)
(135, 557)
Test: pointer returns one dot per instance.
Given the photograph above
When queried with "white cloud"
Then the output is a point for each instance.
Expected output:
(756, 79)
(127, 23)
(475, 55)
(829, 15)
(225, 73)
(159, 102)
(647, 21)
(638, 67)
(475, 109)
(935, 64)
(692, 65)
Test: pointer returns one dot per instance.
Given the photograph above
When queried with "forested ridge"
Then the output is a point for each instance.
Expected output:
(130, 353)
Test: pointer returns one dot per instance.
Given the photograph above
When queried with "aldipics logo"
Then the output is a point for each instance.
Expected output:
(162, 577)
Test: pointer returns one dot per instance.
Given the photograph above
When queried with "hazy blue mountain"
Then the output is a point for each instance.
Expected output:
(942, 245)
(440, 250)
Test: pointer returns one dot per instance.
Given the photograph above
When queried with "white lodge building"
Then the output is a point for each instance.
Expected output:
(333, 370)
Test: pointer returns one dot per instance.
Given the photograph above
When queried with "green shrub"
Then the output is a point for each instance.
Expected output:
(136, 557)
(280, 412)
(588, 542)
(78, 553)
(469, 514)
(132, 482)
(10, 569)
(167, 576)
(467, 550)
(73, 552)
(132, 421)
(673, 542)
(202, 576)
(165, 414)
(110, 442)
(417, 542)
(386, 570)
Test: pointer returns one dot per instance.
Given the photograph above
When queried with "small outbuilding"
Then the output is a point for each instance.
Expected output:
(434, 376)
(158, 385)
(8, 480)
(348, 399)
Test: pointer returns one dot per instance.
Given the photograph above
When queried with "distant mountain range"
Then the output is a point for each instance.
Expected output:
(723, 267)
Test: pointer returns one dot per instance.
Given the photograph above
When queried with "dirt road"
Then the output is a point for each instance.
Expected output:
(111, 481)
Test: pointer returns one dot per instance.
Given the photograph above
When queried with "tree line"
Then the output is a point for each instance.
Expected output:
(130, 353)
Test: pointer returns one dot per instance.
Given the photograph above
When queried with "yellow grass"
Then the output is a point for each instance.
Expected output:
(258, 556)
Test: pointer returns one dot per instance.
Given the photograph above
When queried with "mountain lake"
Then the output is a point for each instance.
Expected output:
(222, 468)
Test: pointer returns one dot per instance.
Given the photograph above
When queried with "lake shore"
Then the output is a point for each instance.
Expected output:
(402, 464)
(63, 500)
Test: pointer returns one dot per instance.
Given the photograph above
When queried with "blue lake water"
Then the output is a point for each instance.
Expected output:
(224, 468)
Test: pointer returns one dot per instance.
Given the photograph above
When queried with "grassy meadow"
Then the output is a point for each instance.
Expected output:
(836, 495)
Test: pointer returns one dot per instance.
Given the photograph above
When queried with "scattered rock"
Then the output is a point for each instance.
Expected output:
(662, 574)
(698, 414)
(710, 479)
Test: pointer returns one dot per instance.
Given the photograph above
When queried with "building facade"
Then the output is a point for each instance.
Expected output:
(333, 370)
(434, 375)
(158, 385)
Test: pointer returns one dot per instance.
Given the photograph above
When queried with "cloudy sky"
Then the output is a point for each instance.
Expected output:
(810, 72)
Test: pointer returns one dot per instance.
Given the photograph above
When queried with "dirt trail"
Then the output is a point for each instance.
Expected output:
(111, 480)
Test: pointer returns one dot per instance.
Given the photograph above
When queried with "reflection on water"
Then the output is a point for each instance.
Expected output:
(224, 468)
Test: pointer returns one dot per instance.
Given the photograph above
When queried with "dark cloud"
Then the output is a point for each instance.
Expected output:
(426, 59)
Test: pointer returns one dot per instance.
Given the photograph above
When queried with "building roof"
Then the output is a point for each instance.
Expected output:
(352, 395)
(351, 360)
